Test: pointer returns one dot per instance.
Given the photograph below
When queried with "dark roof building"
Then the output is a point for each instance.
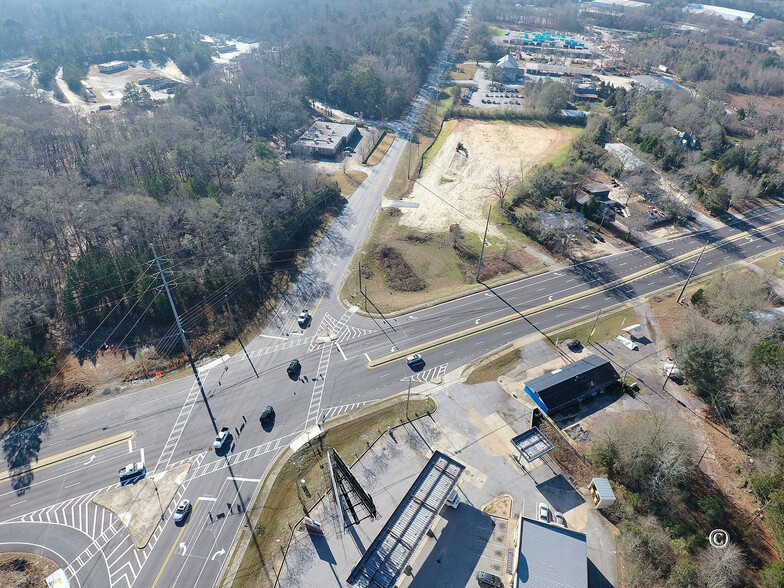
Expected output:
(551, 556)
(571, 383)
(597, 189)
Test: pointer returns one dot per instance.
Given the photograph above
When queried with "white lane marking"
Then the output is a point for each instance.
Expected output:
(72, 485)
(368, 357)
(130, 445)
(273, 336)
(20, 502)
(622, 264)
(383, 375)
(341, 351)
(236, 479)
(208, 499)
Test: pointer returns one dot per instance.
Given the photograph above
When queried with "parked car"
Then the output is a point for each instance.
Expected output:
(559, 519)
(598, 237)
(488, 579)
(293, 368)
(544, 512)
(182, 510)
(266, 414)
(573, 344)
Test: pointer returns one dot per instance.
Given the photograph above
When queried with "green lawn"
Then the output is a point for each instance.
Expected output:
(446, 130)
(467, 73)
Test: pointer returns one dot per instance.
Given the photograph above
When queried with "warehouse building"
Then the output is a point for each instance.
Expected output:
(325, 138)
(725, 13)
(571, 383)
(111, 67)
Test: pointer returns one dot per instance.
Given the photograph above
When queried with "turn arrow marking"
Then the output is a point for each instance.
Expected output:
(217, 553)
(182, 546)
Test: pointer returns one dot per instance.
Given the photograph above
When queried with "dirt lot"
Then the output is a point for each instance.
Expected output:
(453, 188)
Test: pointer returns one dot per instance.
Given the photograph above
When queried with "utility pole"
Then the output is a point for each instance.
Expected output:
(237, 334)
(296, 481)
(594, 326)
(678, 300)
(484, 240)
(182, 333)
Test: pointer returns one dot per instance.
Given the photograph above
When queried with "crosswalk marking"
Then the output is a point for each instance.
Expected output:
(334, 411)
(427, 375)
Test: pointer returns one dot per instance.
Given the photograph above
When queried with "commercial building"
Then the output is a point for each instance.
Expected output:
(550, 556)
(571, 383)
(111, 67)
(325, 138)
(725, 13)
(507, 69)
(548, 69)
(618, 4)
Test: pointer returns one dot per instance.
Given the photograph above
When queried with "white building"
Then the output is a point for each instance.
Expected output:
(325, 138)
(507, 69)
(725, 13)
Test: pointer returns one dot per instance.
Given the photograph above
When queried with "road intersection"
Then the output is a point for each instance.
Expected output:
(347, 361)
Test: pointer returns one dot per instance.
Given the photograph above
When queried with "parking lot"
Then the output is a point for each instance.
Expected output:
(474, 425)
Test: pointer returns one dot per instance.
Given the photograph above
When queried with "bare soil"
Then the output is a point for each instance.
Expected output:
(454, 186)
(25, 570)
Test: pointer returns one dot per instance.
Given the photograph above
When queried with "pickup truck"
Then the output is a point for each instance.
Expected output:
(221, 439)
(132, 471)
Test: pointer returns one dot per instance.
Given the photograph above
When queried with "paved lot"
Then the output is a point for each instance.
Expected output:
(473, 424)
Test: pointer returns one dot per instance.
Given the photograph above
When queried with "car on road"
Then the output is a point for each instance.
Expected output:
(488, 579)
(559, 520)
(221, 439)
(415, 359)
(573, 344)
(544, 512)
(294, 367)
(303, 320)
(266, 414)
(183, 509)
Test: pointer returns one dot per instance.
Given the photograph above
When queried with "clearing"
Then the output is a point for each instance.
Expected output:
(454, 186)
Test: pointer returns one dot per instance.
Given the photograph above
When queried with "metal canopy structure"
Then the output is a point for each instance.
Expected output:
(348, 492)
(532, 444)
(391, 550)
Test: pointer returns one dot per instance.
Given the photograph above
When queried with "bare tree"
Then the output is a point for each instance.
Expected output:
(721, 568)
(501, 183)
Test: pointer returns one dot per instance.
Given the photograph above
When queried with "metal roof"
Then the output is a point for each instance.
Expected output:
(551, 556)
(532, 444)
(387, 556)
(573, 381)
(603, 487)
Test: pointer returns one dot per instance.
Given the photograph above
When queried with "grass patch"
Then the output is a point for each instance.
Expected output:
(771, 264)
(399, 274)
(349, 181)
(450, 270)
(465, 71)
(497, 31)
(490, 371)
(608, 326)
(446, 130)
(282, 510)
(381, 149)
(669, 313)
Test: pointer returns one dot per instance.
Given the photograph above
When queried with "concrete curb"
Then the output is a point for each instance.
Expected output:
(66, 455)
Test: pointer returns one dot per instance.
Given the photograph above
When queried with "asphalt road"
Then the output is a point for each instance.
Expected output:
(359, 360)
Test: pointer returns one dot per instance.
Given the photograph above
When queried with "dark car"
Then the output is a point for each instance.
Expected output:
(266, 414)
(293, 368)
(573, 344)
(488, 579)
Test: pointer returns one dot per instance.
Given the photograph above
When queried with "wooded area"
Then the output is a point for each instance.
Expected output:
(201, 177)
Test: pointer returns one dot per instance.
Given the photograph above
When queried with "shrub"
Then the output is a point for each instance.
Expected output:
(772, 575)
(400, 275)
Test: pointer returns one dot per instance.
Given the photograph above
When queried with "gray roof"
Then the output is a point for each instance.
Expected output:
(551, 556)
(387, 556)
(603, 487)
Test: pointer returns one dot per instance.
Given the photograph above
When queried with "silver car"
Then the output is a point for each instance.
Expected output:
(182, 510)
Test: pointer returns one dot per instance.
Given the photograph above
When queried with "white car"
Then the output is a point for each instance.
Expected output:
(544, 512)
(414, 359)
(559, 519)
(182, 510)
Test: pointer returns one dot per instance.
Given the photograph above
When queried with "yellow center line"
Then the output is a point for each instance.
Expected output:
(68, 455)
(510, 318)
(173, 547)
